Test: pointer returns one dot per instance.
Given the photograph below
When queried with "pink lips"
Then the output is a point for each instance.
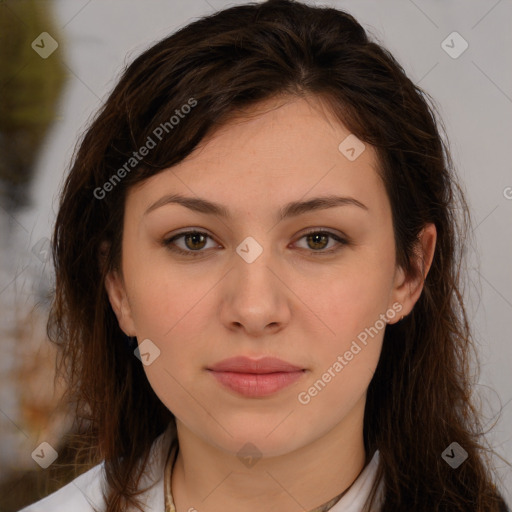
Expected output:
(256, 378)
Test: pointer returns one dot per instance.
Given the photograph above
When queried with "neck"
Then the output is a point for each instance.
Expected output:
(208, 479)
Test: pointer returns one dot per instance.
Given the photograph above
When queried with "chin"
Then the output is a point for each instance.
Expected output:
(269, 439)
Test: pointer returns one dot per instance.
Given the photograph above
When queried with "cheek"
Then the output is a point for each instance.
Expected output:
(350, 300)
(340, 384)
(175, 313)
(344, 357)
(354, 307)
(164, 297)
(174, 318)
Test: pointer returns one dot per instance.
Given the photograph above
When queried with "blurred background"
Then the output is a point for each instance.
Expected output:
(58, 61)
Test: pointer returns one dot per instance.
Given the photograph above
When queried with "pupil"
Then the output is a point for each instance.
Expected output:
(194, 236)
(315, 237)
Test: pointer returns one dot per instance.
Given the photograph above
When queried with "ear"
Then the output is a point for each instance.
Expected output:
(407, 288)
(114, 284)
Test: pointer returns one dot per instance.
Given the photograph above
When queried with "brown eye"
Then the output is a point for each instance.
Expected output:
(194, 242)
(317, 241)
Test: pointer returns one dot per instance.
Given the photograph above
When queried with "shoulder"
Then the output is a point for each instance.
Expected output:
(86, 493)
(83, 494)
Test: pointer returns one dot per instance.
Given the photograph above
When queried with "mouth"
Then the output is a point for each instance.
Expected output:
(256, 378)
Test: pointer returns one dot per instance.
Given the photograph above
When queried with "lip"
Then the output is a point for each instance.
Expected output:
(256, 378)
(243, 364)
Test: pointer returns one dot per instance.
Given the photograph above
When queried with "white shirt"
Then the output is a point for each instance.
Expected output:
(84, 493)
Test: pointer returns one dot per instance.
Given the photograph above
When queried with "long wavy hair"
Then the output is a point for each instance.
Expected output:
(420, 398)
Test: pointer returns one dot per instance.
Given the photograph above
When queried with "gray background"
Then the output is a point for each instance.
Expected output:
(473, 93)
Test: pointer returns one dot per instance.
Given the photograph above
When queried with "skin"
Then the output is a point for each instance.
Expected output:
(291, 302)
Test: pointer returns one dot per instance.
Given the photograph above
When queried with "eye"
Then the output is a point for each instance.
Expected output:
(195, 241)
(318, 240)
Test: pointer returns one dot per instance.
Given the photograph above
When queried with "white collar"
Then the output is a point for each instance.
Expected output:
(353, 501)
(85, 493)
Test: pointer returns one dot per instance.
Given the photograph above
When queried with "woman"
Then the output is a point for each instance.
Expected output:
(257, 296)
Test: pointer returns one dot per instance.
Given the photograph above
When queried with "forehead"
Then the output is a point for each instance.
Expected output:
(280, 150)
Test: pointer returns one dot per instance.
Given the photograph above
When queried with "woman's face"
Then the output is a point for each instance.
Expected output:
(256, 285)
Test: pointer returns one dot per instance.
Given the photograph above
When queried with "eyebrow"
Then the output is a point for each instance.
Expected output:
(292, 209)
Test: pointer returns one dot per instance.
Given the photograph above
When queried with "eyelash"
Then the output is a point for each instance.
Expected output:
(168, 243)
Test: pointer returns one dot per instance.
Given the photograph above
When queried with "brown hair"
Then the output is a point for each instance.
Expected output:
(419, 399)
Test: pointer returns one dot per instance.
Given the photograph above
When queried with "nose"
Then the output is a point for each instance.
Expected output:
(255, 298)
